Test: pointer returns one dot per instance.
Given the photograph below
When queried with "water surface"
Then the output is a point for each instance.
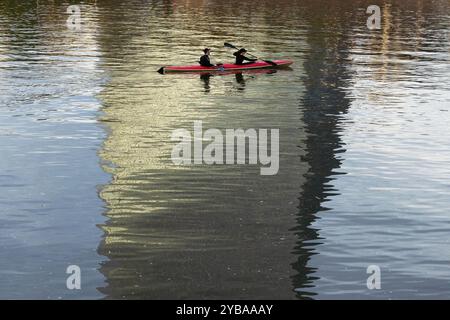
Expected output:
(86, 176)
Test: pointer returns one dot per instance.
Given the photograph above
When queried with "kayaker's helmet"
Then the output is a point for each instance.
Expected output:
(242, 51)
(206, 50)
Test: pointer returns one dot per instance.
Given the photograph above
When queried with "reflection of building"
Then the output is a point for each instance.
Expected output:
(325, 99)
(199, 232)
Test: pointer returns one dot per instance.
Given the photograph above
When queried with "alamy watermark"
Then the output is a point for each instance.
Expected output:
(374, 21)
(73, 282)
(234, 146)
(374, 280)
(74, 20)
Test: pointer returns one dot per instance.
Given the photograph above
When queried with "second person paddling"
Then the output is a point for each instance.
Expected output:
(240, 57)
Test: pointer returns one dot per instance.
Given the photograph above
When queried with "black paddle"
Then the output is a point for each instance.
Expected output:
(229, 45)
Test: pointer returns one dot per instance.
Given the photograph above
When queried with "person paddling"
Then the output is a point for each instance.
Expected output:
(240, 57)
(204, 59)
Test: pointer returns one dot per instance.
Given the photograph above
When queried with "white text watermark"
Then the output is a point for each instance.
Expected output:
(234, 146)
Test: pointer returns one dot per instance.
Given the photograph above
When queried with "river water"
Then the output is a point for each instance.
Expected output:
(86, 176)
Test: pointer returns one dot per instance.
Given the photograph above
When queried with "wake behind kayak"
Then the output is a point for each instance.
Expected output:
(226, 67)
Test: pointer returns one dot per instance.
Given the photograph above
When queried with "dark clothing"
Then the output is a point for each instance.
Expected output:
(205, 62)
(241, 58)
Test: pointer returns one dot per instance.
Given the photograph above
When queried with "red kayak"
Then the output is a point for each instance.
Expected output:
(227, 67)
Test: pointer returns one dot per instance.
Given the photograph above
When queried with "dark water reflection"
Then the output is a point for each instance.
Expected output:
(363, 119)
(323, 105)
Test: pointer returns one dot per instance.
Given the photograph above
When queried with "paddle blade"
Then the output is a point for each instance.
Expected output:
(229, 45)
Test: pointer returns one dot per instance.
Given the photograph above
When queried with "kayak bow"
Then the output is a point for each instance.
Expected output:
(226, 67)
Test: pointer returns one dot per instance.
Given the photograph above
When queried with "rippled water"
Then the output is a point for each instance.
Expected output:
(86, 176)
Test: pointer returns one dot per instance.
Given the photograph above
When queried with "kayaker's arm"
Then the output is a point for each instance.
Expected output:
(250, 59)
